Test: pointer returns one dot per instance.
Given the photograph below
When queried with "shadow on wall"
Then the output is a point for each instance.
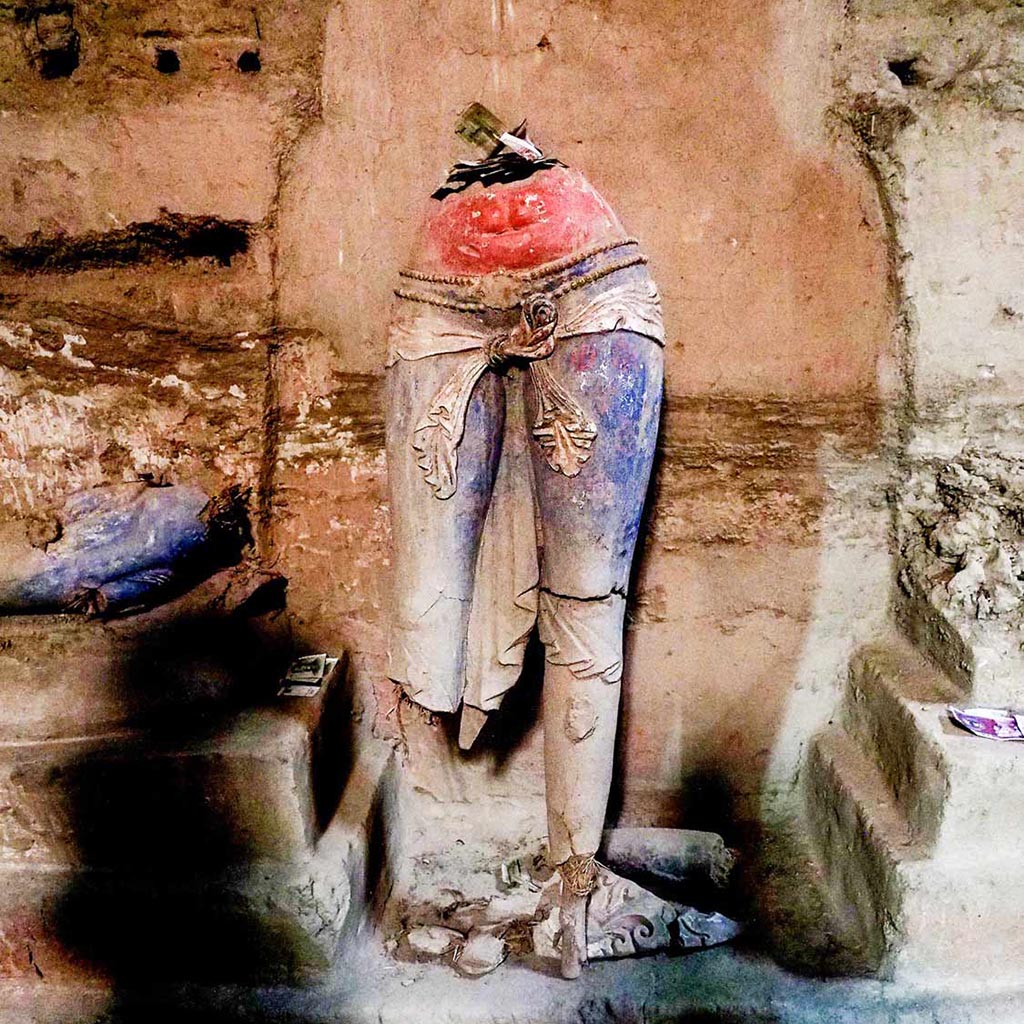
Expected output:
(724, 599)
(189, 832)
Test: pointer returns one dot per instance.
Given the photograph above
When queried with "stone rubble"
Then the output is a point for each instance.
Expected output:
(483, 952)
(433, 940)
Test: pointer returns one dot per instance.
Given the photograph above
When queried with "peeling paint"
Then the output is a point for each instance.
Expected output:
(580, 719)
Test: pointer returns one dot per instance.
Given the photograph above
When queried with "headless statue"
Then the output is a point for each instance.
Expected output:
(524, 390)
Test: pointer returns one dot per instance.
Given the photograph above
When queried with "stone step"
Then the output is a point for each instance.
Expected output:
(886, 680)
(223, 789)
(919, 913)
(957, 792)
(959, 923)
(859, 834)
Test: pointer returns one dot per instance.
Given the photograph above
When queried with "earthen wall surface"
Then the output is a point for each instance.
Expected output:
(195, 272)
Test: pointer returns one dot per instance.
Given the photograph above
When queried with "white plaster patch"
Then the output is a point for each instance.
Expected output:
(43, 440)
(172, 380)
(580, 719)
(19, 337)
(68, 352)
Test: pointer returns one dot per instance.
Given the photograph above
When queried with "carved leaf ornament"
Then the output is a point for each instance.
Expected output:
(562, 429)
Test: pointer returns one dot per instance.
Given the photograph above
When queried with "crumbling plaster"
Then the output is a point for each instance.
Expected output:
(934, 92)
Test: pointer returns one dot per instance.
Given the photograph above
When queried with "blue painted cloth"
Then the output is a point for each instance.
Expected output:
(117, 547)
(482, 450)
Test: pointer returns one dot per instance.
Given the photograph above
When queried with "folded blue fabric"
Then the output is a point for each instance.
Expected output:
(119, 547)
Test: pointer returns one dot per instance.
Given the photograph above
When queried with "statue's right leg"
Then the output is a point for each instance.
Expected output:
(435, 541)
(590, 523)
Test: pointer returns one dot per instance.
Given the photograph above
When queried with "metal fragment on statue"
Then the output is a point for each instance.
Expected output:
(480, 127)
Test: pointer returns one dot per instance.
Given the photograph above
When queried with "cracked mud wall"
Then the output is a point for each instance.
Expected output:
(935, 93)
(257, 359)
(136, 239)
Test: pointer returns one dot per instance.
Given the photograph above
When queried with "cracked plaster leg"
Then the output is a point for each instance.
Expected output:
(583, 643)
(580, 722)
(435, 541)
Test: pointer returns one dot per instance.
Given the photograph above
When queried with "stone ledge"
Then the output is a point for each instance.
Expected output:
(958, 792)
(65, 676)
(256, 784)
(886, 682)
(262, 920)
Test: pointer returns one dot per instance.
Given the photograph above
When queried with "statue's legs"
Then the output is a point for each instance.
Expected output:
(435, 542)
(590, 524)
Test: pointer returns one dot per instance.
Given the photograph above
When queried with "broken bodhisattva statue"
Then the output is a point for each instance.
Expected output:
(524, 390)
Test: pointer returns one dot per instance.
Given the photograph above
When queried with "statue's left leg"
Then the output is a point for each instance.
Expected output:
(590, 523)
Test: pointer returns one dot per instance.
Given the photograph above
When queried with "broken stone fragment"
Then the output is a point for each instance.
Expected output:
(671, 855)
(624, 919)
(697, 930)
(519, 904)
(118, 548)
(545, 935)
(482, 953)
(433, 940)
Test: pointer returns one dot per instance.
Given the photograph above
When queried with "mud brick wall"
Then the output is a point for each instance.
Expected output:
(204, 205)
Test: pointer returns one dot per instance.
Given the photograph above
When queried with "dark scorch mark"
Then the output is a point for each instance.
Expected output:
(172, 237)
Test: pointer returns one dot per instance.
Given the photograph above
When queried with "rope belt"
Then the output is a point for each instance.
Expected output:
(504, 291)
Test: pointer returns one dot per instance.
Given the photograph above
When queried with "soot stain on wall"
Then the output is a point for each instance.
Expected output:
(172, 237)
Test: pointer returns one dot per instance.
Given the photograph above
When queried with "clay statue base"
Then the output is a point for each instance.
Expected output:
(527, 917)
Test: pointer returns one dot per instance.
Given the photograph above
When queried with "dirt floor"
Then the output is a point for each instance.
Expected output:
(721, 986)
